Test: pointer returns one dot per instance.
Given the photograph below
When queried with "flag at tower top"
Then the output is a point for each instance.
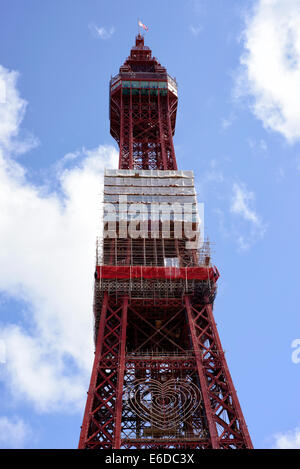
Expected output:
(142, 25)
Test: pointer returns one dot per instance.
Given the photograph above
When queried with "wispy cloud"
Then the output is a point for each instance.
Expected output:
(258, 146)
(270, 65)
(242, 206)
(280, 174)
(12, 111)
(287, 440)
(240, 203)
(14, 433)
(211, 176)
(2, 91)
(227, 122)
(233, 204)
(195, 30)
(101, 32)
(238, 220)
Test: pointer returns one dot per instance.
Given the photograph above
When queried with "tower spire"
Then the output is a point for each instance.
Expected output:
(139, 41)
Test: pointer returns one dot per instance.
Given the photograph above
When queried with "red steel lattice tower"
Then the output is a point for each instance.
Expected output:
(160, 378)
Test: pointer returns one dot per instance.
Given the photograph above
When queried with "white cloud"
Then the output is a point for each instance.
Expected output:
(12, 108)
(258, 147)
(14, 433)
(2, 352)
(227, 122)
(280, 174)
(241, 205)
(288, 440)
(207, 180)
(232, 203)
(12, 111)
(271, 65)
(263, 145)
(195, 30)
(101, 32)
(48, 261)
(2, 92)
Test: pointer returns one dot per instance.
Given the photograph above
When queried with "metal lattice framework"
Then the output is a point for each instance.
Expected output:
(225, 419)
(160, 377)
(105, 392)
(143, 115)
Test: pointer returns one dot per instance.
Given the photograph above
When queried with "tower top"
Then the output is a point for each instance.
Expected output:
(141, 59)
(143, 106)
(139, 42)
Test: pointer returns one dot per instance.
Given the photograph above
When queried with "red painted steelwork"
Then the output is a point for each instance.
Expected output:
(121, 371)
(169, 273)
(84, 435)
(102, 407)
(225, 419)
(154, 326)
(143, 105)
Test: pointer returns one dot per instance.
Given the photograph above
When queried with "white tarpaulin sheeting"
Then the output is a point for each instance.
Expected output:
(148, 173)
(170, 199)
(148, 181)
(141, 190)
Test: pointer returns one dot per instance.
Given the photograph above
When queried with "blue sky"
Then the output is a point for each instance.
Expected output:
(237, 65)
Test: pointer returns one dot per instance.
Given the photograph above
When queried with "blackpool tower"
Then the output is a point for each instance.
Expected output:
(160, 378)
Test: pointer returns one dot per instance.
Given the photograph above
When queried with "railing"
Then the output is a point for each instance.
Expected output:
(149, 252)
(143, 76)
(161, 355)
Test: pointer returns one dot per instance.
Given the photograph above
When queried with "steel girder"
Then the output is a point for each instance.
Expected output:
(102, 417)
(144, 130)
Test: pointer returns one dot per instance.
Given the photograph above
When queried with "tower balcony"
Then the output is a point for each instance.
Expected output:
(145, 81)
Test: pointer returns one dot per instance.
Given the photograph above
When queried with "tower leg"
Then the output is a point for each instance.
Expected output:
(225, 419)
(201, 374)
(102, 418)
(121, 371)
